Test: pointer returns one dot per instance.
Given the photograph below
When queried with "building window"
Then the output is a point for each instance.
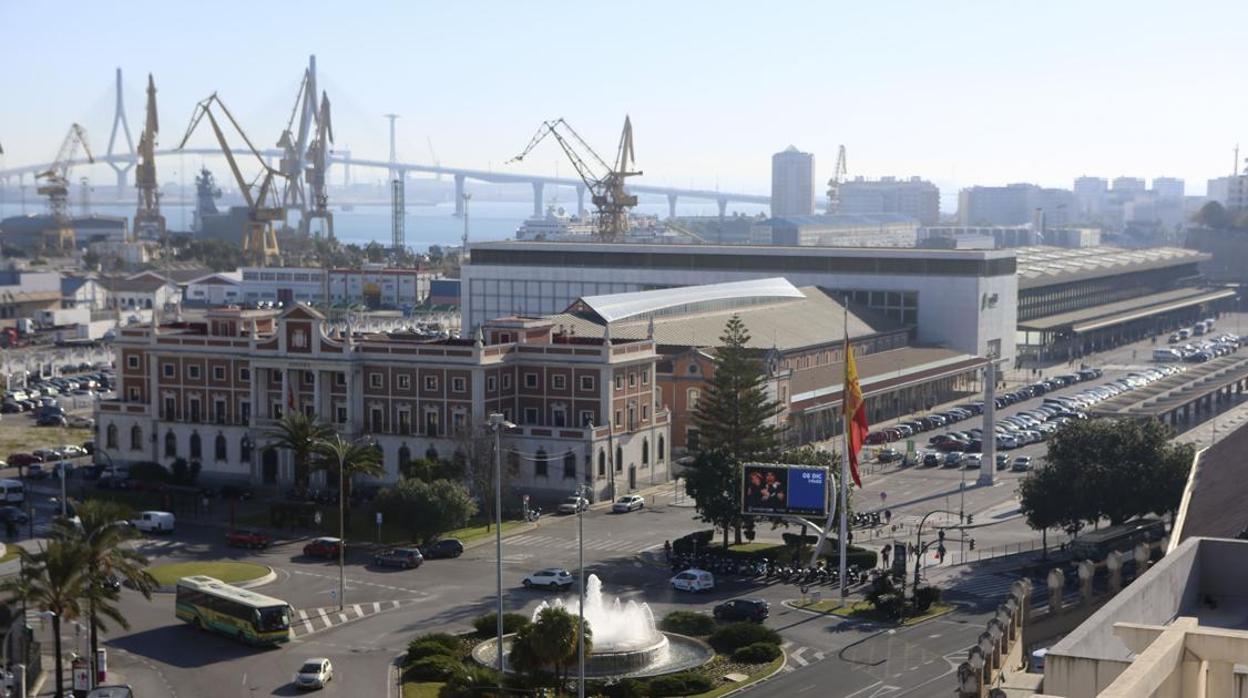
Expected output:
(374, 381)
(431, 423)
(244, 412)
(569, 465)
(340, 379)
(171, 407)
(458, 421)
(340, 413)
(136, 438)
(602, 463)
(661, 444)
(541, 464)
(558, 382)
(309, 378)
(632, 379)
(619, 418)
(244, 450)
(491, 384)
(194, 409)
(135, 394)
(587, 383)
(619, 382)
(645, 412)
(645, 376)
(504, 337)
(299, 338)
(619, 459)
(244, 374)
(586, 418)
(405, 420)
(458, 385)
(218, 373)
(645, 452)
(197, 446)
(171, 445)
(431, 383)
(192, 372)
(218, 410)
(218, 449)
(530, 380)
(560, 416)
(110, 438)
(168, 370)
(530, 415)
(506, 381)
(132, 361)
(375, 419)
(275, 410)
(691, 399)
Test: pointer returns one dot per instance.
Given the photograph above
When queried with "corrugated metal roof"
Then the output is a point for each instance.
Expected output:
(1041, 265)
(621, 306)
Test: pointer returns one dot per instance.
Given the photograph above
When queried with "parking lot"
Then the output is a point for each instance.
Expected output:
(51, 414)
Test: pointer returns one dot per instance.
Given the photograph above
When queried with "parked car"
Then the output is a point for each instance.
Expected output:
(553, 578)
(21, 460)
(72, 451)
(13, 515)
(953, 459)
(973, 461)
(52, 420)
(447, 547)
(44, 455)
(888, 455)
(930, 460)
(627, 503)
(79, 422)
(246, 538)
(1003, 461)
(573, 505)
(407, 558)
(693, 580)
(324, 546)
(315, 673)
(742, 609)
(1021, 464)
(154, 522)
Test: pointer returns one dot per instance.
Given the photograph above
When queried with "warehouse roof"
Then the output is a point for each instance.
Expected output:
(1043, 266)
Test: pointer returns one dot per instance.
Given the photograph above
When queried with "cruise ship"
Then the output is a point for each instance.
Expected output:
(556, 225)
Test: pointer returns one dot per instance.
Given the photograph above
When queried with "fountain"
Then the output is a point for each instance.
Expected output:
(625, 639)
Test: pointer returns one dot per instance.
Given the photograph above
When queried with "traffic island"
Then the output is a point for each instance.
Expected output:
(866, 611)
(242, 574)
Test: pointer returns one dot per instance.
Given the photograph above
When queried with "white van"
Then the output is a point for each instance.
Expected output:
(693, 580)
(154, 522)
(12, 492)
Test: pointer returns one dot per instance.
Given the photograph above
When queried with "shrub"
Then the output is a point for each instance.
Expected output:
(679, 685)
(472, 681)
(148, 471)
(729, 638)
(438, 667)
(756, 653)
(924, 597)
(624, 688)
(698, 540)
(487, 625)
(688, 623)
(419, 649)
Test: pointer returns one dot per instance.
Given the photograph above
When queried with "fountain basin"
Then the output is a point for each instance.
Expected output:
(670, 653)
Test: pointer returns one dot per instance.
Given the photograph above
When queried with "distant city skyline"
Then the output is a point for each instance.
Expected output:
(960, 94)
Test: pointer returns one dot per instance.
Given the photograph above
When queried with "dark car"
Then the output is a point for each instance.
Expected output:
(13, 515)
(930, 460)
(743, 609)
(323, 547)
(21, 460)
(52, 420)
(407, 558)
(245, 538)
(447, 547)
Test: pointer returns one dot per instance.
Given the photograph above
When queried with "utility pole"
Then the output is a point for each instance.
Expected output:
(463, 256)
(393, 155)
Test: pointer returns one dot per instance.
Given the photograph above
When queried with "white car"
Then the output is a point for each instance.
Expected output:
(693, 580)
(573, 505)
(78, 422)
(315, 673)
(553, 578)
(628, 503)
(72, 451)
(154, 522)
(973, 461)
(1022, 464)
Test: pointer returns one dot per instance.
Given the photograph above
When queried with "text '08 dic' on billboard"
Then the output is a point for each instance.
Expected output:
(776, 489)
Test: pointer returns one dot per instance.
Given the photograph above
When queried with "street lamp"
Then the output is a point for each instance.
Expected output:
(498, 423)
(581, 490)
(342, 521)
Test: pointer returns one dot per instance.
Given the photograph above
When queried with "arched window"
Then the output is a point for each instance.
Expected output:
(619, 459)
(197, 446)
(218, 449)
(136, 438)
(110, 438)
(541, 463)
(645, 452)
(171, 445)
(569, 465)
(244, 450)
(660, 458)
(602, 463)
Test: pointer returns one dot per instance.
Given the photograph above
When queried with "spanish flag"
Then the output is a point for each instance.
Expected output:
(855, 412)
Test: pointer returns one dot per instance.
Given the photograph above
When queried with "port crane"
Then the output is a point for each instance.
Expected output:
(264, 203)
(148, 221)
(834, 184)
(315, 172)
(54, 184)
(605, 182)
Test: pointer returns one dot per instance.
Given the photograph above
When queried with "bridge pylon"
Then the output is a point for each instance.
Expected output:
(121, 167)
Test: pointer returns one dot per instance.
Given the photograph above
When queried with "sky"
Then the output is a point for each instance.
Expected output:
(959, 92)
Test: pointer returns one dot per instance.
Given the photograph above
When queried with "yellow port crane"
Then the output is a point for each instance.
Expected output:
(264, 205)
(149, 223)
(54, 184)
(838, 178)
(605, 182)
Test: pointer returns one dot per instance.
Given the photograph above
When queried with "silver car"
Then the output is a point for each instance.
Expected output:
(314, 673)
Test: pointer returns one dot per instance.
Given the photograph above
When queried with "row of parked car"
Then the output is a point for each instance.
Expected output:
(1199, 352)
(34, 396)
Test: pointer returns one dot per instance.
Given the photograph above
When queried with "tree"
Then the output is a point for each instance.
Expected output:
(103, 535)
(477, 445)
(1045, 499)
(427, 509)
(735, 422)
(52, 580)
(550, 641)
(352, 458)
(300, 434)
(1214, 215)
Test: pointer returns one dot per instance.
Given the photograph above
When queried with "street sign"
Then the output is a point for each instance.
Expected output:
(82, 674)
(379, 518)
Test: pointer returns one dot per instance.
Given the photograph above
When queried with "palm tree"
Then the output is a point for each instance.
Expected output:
(53, 580)
(353, 458)
(298, 433)
(103, 535)
(549, 641)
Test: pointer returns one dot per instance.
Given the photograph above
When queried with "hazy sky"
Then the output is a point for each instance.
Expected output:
(958, 92)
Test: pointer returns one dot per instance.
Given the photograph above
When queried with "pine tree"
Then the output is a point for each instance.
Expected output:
(736, 424)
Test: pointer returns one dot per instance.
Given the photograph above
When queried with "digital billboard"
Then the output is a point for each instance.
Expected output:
(776, 489)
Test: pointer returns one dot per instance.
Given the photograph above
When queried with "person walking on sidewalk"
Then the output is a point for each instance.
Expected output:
(667, 550)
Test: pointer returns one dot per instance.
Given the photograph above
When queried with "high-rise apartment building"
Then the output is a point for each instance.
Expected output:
(1015, 204)
(914, 197)
(1090, 193)
(792, 183)
(1168, 187)
(1129, 185)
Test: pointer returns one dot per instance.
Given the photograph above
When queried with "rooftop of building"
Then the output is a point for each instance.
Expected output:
(1217, 486)
(1043, 265)
(776, 314)
(511, 246)
(824, 220)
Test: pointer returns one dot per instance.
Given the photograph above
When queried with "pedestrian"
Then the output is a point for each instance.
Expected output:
(888, 515)
(667, 550)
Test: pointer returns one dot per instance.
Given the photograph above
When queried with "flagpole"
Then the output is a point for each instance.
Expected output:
(844, 479)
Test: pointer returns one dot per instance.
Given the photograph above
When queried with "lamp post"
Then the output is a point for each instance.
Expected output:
(342, 523)
(580, 566)
(498, 423)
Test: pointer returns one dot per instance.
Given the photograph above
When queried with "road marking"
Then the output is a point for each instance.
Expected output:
(325, 617)
(303, 615)
(797, 656)
(307, 624)
(343, 617)
(360, 613)
(377, 609)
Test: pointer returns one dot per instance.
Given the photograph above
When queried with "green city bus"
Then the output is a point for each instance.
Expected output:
(211, 604)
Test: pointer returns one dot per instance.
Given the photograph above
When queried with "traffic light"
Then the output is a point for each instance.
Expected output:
(972, 544)
(970, 519)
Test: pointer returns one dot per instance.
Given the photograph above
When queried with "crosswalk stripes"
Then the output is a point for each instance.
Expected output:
(800, 656)
(314, 620)
(603, 545)
(986, 586)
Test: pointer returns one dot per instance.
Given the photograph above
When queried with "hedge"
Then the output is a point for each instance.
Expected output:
(473, 681)
(438, 667)
(688, 623)
(756, 653)
(692, 542)
(680, 685)
(487, 625)
(730, 638)
(419, 649)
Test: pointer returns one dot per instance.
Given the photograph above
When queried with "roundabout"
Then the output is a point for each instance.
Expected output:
(243, 574)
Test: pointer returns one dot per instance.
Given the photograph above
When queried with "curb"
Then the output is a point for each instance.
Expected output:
(761, 679)
(249, 584)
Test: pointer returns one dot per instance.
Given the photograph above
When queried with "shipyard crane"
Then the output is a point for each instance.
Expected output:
(148, 221)
(834, 184)
(264, 203)
(294, 143)
(318, 165)
(54, 184)
(605, 182)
